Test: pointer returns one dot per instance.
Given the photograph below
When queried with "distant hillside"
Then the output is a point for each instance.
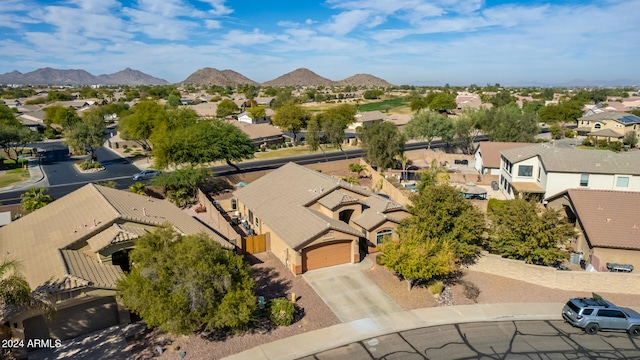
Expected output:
(212, 76)
(300, 77)
(50, 76)
(364, 80)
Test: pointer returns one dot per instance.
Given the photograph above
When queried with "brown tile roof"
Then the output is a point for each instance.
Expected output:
(81, 266)
(377, 211)
(256, 131)
(280, 200)
(68, 223)
(570, 160)
(609, 218)
(607, 133)
(366, 116)
(491, 152)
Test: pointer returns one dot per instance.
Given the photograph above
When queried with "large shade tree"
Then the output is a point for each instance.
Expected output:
(382, 142)
(509, 124)
(139, 124)
(34, 199)
(185, 283)
(88, 133)
(443, 232)
(521, 230)
(427, 125)
(291, 117)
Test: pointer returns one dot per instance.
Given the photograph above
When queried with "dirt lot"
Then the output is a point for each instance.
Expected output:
(273, 280)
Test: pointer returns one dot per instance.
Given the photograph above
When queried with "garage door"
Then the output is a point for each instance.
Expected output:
(74, 321)
(324, 255)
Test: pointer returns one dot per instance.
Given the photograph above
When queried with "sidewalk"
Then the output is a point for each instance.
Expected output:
(37, 178)
(339, 335)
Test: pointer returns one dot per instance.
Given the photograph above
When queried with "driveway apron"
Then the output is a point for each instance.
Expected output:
(349, 293)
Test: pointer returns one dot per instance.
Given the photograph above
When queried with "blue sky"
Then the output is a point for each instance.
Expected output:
(402, 41)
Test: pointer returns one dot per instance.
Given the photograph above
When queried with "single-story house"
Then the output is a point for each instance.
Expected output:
(246, 117)
(542, 170)
(487, 155)
(75, 249)
(366, 118)
(312, 220)
(261, 134)
(607, 225)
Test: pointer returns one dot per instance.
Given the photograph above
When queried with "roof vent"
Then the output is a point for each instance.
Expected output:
(600, 207)
(635, 226)
(608, 220)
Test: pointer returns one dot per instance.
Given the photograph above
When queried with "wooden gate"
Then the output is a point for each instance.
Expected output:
(254, 244)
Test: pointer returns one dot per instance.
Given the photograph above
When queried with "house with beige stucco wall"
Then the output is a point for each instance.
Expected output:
(73, 251)
(610, 125)
(606, 223)
(312, 220)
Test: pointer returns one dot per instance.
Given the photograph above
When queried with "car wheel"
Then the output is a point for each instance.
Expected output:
(591, 329)
(634, 330)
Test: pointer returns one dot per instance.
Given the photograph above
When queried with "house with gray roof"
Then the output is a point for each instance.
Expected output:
(606, 223)
(542, 170)
(75, 249)
(610, 125)
(312, 220)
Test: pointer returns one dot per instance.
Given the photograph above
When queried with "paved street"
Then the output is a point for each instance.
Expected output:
(491, 340)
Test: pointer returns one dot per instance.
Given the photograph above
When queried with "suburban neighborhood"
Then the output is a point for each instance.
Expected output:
(199, 219)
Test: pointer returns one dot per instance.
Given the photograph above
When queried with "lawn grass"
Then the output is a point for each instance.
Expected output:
(292, 151)
(13, 176)
(381, 105)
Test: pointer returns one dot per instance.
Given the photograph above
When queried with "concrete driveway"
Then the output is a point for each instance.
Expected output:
(349, 293)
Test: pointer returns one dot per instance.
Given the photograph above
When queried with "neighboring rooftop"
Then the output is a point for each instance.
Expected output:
(491, 151)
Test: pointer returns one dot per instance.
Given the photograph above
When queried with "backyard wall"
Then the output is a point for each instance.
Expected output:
(222, 224)
(599, 282)
(387, 188)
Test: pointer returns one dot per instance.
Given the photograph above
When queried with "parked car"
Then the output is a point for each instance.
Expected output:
(146, 175)
(593, 315)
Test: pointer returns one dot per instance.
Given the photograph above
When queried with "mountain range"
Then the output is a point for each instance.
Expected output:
(205, 76)
(50, 76)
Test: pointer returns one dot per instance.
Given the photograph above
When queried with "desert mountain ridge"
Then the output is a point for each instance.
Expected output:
(50, 76)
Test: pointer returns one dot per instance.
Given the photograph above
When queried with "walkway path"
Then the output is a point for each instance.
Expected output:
(349, 293)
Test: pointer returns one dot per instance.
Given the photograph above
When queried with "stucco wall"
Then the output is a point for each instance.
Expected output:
(624, 283)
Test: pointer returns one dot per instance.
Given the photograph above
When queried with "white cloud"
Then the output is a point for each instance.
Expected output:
(345, 22)
(218, 7)
(212, 24)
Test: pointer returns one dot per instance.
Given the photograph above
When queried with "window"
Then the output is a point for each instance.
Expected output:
(381, 234)
(525, 170)
(597, 126)
(622, 181)
(611, 313)
(539, 172)
(250, 217)
(234, 204)
(584, 180)
(257, 222)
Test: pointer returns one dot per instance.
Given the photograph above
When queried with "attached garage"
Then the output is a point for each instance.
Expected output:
(327, 254)
(74, 321)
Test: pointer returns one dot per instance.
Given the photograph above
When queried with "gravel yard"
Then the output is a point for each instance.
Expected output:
(273, 280)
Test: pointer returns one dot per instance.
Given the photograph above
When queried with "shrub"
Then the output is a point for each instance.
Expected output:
(570, 134)
(127, 151)
(87, 165)
(281, 311)
(125, 146)
(436, 287)
(603, 143)
(494, 204)
(615, 146)
(588, 141)
(471, 290)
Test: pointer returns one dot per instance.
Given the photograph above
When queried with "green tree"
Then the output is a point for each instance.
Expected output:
(257, 112)
(467, 128)
(225, 108)
(502, 98)
(34, 199)
(173, 101)
(139, 124)
(64, 116)
(138, 188)
(630, 138)
(418, 104)
(372, 94)
(185, 283)
(7, 117)
(508, 123)
(184, 181)
(15, 137)
(88, 133)
(427, 125)
(15, 291)
(521, 230)
(443, 101)
(292, 118)
(382, 142)
(313, 138)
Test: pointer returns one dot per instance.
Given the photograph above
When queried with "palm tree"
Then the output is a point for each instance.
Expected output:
(34, 198)
(15, 293)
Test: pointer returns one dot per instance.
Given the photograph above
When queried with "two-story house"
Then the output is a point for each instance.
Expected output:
(541, 170)
(312, 220)
(612, 125)
(487, 155)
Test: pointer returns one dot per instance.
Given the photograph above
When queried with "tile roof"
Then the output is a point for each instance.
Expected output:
(570, 160)
(69, 223)
(337, 198)
(80, 265)
(618, 116)
(377, 211)
(609, 218)
(280, 200)
(491, 152)
(369, 116)
(607, 133)
(257, 131)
